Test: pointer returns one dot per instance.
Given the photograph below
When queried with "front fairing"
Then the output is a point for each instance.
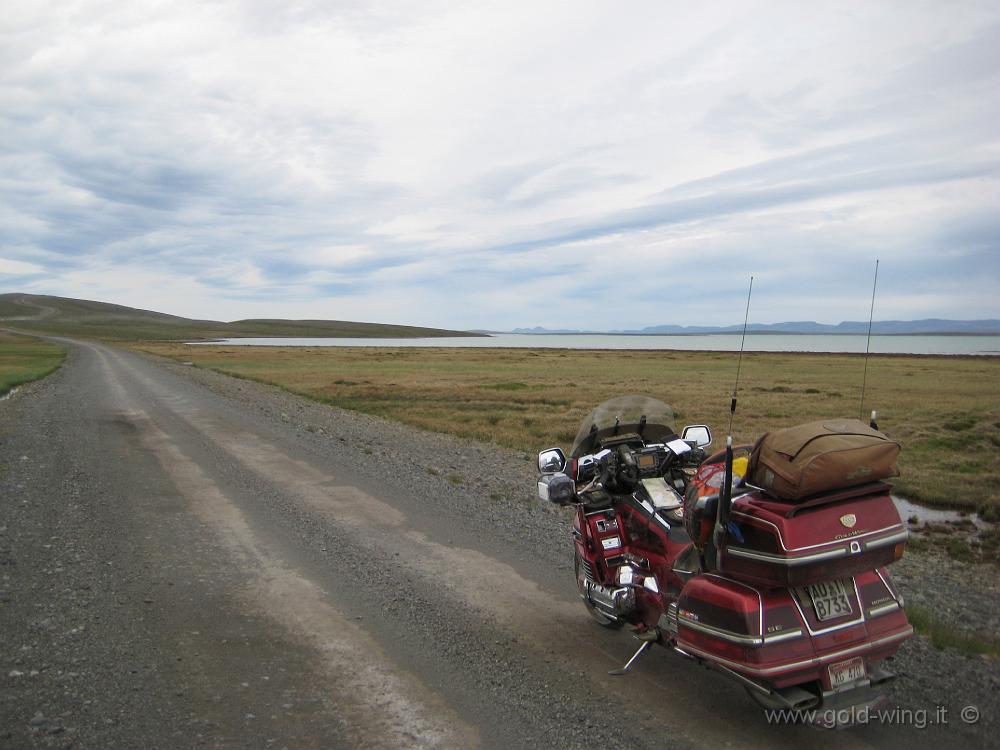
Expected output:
(650, 418)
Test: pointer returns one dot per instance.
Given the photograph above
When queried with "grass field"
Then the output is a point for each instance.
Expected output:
(944, 410)
(23, 359)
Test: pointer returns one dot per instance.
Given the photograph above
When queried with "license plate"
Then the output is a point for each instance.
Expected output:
(847, 672)
(830, 599)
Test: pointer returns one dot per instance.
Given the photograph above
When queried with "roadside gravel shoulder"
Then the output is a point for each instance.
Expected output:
(117, 624)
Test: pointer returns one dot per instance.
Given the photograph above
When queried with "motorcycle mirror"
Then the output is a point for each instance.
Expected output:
(699, 434)
(551, 460)
(556, 488)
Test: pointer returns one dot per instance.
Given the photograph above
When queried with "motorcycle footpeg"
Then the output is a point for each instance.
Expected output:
(650, 635)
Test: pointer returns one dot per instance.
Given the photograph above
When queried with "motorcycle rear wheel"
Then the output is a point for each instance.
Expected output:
(599, 617)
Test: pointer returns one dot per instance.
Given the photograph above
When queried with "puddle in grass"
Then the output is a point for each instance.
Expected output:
(924, 515)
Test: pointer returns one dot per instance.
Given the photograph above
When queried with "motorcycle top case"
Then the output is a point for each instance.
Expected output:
(796, 544)
(817, 457)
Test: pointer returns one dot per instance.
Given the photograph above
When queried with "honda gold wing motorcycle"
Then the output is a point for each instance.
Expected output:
(781, 588)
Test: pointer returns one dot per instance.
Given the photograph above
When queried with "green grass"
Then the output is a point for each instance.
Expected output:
(23, 359)
(944, 410)
(944, 636)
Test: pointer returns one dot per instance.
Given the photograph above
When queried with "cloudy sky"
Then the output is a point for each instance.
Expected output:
(500, 164)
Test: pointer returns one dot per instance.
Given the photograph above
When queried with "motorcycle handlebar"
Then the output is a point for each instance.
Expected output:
(618, 470)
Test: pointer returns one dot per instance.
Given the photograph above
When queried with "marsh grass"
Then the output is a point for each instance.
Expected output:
(944, 635)
(23, 359)
(944, 410)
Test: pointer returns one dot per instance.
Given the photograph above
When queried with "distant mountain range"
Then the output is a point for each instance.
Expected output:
(881, 327)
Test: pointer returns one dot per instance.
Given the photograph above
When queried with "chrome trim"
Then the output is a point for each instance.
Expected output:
(883, 609)
(671, 616)
(726, 635)
(790, 561)
(682, 652)
(785, 635)
(816, 556)
(900, 537)
(612, 601)
(814, 662)
(812, 546)
(729, 635)
(889, 586)
(878, 572)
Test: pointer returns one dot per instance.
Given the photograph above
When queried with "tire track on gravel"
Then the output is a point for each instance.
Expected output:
(361, 677)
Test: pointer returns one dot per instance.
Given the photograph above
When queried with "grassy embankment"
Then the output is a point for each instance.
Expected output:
(944, 410)
(23, 359)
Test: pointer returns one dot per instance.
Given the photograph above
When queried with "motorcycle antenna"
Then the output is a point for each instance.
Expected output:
(739, 362)
(868, 345)
(726, 490)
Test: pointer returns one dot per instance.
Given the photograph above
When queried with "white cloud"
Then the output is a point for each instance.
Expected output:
(18, 268)
(500, 164)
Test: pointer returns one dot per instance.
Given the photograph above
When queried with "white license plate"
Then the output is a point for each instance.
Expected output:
(847, 672)
(830, 599)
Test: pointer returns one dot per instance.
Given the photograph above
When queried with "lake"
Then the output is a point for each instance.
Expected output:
(755, 342)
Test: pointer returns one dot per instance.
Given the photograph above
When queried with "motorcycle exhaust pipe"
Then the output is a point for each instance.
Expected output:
(796, 698)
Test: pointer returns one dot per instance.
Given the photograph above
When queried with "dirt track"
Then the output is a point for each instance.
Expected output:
(188, 560)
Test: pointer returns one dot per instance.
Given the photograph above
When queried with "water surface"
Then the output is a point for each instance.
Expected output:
(755, 342)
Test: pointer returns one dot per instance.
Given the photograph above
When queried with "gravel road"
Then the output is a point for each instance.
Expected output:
(191, 560)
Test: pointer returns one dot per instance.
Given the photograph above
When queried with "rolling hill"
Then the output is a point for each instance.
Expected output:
(64, 316)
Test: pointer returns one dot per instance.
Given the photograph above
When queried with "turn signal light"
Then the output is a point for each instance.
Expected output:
(897, 551)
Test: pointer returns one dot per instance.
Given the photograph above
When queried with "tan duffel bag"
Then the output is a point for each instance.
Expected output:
(829, 454)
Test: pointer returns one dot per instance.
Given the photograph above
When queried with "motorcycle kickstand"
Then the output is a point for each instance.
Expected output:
(623, 670)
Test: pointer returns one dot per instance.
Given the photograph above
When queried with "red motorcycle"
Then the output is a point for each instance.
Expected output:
(789, 597)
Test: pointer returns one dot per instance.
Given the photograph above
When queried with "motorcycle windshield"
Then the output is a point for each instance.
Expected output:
(652, 419)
